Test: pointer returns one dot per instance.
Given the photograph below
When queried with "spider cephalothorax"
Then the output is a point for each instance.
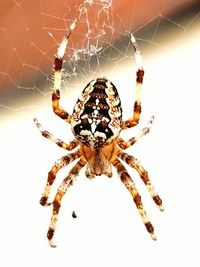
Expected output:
(96, 124)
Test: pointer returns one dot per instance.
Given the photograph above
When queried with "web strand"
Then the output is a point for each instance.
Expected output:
(99, 42)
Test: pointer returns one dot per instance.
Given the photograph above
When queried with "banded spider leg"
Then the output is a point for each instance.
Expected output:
(134, 163)
(58, 76)
(139, 80)
(73, 144)
(126, 144)
(59, 164)
(128, 182)
(60, 193)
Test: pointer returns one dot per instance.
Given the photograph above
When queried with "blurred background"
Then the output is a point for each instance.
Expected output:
(108, 230)
(31, 32)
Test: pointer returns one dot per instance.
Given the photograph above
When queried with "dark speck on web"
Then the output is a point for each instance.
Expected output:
(74, 214)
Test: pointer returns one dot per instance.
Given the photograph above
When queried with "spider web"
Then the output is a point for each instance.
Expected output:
(99, 45)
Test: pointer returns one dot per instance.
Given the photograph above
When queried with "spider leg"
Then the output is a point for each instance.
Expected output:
(58, 76)
(128, 182)
(139, 80)
(73, 144)
(126, 144)
(60, 193)
(59, 164)
(134, 163)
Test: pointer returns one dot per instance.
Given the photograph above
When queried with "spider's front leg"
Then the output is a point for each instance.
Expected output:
(58, 76)
(60, 193)
(134, 163)
(128, 182)
(139, 80)
(59, 164)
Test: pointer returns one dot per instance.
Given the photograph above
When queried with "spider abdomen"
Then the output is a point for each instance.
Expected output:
(97, 115)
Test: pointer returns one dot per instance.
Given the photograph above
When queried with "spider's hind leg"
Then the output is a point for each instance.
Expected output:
(128, 182)
(139, 80)
(134, 163)
(58, 61)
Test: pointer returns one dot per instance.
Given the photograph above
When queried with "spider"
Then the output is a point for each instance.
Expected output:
(96, 123)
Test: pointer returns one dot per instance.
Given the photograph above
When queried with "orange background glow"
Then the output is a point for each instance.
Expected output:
(25, 42)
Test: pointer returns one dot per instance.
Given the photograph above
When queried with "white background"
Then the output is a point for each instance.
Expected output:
(108, 230)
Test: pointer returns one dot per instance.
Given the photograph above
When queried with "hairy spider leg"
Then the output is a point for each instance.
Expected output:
(134, 163)
(59, 164)
(139, 80)
(128, 182)
(58, 76)
(60, 193)
(126, 144)
(73, 144)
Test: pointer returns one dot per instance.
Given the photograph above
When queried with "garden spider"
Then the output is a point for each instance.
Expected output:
(96, 123)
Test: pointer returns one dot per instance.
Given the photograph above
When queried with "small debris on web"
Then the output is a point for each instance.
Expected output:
(74, 214)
